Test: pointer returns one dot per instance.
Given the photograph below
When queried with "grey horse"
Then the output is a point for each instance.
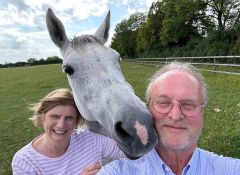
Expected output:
(103, 96)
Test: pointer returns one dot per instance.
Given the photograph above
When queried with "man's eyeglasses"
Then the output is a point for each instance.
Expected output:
(188, 109)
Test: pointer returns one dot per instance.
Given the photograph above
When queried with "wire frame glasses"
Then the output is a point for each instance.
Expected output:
(188, 109)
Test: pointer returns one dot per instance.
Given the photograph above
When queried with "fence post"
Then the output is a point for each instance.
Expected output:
(214, 62)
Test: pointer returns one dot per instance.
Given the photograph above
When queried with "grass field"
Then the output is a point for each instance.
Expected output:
(24, 85)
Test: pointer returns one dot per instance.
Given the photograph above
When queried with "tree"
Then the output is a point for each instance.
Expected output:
(224, 33)
(124, 39)
(235, 50)
(224, 14)
(181, 28)
(53, 59)
(31, 61)
(183, 19)
(20, 63)
(148, 37)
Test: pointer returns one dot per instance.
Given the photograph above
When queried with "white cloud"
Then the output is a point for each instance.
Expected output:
(20, 17)
(23, 32)
(149, 3)
(81, 9)
(138, 5)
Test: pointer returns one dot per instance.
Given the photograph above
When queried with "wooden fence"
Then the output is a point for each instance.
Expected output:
(218, 64)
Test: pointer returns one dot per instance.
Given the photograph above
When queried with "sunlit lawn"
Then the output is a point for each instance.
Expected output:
(21, 86)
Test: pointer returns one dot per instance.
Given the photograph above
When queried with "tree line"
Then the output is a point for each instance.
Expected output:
(181, 28)
(33, 62)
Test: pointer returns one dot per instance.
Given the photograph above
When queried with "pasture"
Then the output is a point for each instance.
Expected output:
(24, 85)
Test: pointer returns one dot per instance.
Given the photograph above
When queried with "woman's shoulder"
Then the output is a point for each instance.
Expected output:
(23, 160)
(24, 153)
(27, 150)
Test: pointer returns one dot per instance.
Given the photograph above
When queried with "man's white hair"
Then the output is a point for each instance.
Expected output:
(179, 66)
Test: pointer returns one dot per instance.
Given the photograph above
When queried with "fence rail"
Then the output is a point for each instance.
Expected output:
(217, 62)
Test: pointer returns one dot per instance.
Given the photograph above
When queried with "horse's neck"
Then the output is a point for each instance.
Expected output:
(96, 127)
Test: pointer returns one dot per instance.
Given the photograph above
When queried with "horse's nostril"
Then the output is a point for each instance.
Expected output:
(68, 69)
(122, 132)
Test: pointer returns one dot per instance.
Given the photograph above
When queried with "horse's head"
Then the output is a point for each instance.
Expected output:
(100, 90)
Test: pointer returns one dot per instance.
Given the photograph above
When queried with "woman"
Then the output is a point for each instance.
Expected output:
(61, 149)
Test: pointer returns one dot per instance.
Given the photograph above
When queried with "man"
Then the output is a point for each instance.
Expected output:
(176, 97)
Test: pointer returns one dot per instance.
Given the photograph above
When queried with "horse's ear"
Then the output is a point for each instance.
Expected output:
(56, 30)
(103, 31)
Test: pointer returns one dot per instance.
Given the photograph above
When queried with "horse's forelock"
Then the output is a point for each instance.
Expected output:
(80, 41)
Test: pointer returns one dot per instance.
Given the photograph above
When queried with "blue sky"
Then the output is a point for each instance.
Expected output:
(23, 32)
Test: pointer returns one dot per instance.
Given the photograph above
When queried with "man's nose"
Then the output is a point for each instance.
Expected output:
(176, 112)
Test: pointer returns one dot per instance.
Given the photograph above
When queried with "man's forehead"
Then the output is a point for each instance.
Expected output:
(176, 83)
(176, 74)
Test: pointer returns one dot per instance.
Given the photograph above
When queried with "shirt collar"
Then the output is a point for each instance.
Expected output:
(157, 162)
(190, 168)
(193, 163)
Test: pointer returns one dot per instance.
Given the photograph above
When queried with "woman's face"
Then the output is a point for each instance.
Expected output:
(59, 123)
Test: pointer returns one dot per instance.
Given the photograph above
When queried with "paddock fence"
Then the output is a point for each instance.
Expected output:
(214, 64)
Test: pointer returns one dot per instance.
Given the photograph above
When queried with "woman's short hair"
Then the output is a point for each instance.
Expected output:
(57, 97)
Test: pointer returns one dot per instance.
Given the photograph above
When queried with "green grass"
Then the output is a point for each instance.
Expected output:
(21, 86)
(18, 88)
(220, 68)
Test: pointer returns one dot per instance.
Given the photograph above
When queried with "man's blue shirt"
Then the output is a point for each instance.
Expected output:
(201, 163)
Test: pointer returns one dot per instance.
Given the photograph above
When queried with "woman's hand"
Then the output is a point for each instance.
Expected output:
(91, 170)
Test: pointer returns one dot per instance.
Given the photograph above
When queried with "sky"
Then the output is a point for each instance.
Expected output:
(23, 31)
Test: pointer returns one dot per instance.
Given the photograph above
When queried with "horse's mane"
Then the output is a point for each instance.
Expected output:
(79, 41)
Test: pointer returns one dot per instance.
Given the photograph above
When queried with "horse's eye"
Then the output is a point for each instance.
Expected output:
(68, 69)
